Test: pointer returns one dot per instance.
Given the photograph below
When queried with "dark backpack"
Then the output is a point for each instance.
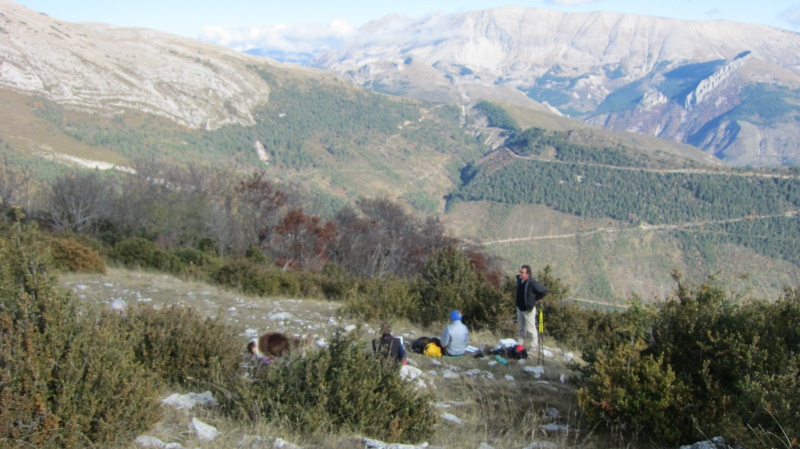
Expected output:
(516, 352)
(388, 347)
(419, 344)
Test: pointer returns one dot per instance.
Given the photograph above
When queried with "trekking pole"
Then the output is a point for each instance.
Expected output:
(540, 336)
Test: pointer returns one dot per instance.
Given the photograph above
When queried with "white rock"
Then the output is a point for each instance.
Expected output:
(189, 400)
(447, 374)
(537, 371)
(148, 441)
(410, 373)
(280, 443)
(555, 428)
(541, 445)
(205, 432)
(377, 444)
(452, 418)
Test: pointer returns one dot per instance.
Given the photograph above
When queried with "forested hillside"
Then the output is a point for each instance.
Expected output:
(701, 214)
(339, 138)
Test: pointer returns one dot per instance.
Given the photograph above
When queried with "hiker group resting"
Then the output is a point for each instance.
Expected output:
(453, 342)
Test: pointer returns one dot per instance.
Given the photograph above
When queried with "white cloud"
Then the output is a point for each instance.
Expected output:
(791, 16)
(570, 2)
(297, 38)
(314, 38)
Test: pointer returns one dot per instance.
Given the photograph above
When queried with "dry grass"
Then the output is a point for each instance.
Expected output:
(501, 405)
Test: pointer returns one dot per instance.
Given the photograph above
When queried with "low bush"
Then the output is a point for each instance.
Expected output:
(702, 362)
(183, 348)
(70, 254)
(336, 282)
(382, 299)
(337, 389)
(138, 252)
(69, 377)
(256, 279)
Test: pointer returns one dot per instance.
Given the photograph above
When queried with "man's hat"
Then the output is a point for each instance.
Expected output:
(455, 315)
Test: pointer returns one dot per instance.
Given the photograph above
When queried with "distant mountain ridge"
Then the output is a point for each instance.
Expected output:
(94, 67)
(729, 88)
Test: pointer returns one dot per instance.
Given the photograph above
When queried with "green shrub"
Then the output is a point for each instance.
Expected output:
(69, 377)
(449, 281)
(336, 282)
(69, 254)
(635, 391)
(382, 299)
(191, 256)
(255, 279)
(343, 388)
(703, 362)
(255, 254)
(138, 252)
(183, 348)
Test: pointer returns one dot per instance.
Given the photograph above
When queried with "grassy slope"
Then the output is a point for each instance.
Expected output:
(473, 389)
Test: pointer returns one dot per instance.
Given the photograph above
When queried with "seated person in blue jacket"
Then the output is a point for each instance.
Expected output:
(455, 336)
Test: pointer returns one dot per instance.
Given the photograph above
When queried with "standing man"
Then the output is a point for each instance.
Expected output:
(528, 292)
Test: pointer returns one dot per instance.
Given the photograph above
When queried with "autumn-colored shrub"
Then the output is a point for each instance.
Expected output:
(70, 254)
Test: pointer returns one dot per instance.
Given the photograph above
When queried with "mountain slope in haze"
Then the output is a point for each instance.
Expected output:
(105, 69)
(728, 88)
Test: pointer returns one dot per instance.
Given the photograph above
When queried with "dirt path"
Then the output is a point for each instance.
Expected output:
(644, 227)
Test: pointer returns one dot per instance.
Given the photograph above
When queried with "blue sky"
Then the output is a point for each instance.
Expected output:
(297, 25)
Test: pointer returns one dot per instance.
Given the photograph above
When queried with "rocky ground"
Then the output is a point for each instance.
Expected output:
(470, 390)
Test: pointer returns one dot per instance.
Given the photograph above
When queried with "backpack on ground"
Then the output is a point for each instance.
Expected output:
(389, 347)
(419, 344)
(516, 352)
(432, 349)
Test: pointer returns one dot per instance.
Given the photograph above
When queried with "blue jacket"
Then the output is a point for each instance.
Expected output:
(454, 338)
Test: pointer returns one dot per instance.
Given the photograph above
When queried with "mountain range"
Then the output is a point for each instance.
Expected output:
(593, 108)
(728, 88)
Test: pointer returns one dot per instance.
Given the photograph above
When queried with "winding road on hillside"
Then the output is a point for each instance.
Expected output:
(749, 173)
(641, 227)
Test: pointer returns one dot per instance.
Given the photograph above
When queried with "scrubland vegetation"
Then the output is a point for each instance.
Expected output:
(702, 362)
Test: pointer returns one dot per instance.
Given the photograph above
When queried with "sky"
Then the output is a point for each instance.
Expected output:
(305, 25)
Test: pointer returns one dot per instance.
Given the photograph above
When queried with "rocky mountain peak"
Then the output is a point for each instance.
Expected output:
(105, 69)
(601, 67)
